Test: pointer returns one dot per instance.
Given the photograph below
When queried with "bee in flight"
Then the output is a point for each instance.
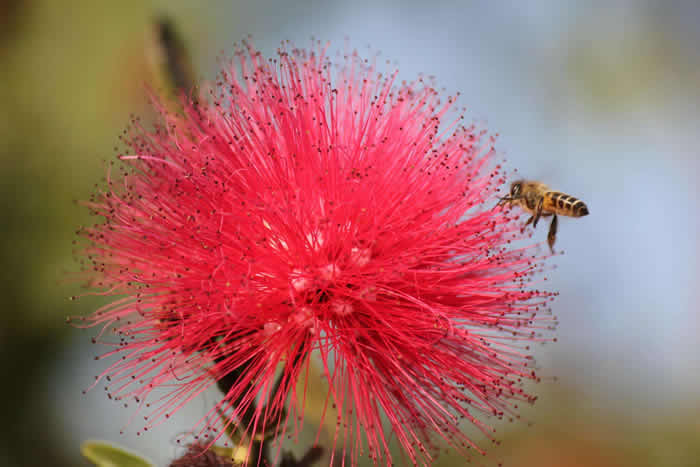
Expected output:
(539, 201)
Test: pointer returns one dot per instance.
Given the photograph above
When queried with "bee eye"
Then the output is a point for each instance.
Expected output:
(515, 189)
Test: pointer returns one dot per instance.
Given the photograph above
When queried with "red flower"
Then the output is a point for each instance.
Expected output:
(308, 208)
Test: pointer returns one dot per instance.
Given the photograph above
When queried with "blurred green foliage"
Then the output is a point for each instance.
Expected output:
(70, 75)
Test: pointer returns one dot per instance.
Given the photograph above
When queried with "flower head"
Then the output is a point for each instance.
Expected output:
(307, 209)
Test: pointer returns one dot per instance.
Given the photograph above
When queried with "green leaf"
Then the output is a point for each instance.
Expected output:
(104, 454)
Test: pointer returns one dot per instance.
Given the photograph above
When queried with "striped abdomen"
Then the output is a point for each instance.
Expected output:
(563, 204)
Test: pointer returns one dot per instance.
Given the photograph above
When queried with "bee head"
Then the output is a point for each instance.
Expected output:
(516, 188)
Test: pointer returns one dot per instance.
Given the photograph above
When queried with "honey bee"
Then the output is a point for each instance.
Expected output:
(538, 200)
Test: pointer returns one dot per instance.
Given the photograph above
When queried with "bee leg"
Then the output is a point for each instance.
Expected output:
(504, 200)
(552, 235)
(528, 222)
(538, 212)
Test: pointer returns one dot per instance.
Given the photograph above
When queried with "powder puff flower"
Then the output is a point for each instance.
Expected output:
(303, 212)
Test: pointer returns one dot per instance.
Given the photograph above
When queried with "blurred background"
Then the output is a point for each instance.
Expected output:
(598, 99)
